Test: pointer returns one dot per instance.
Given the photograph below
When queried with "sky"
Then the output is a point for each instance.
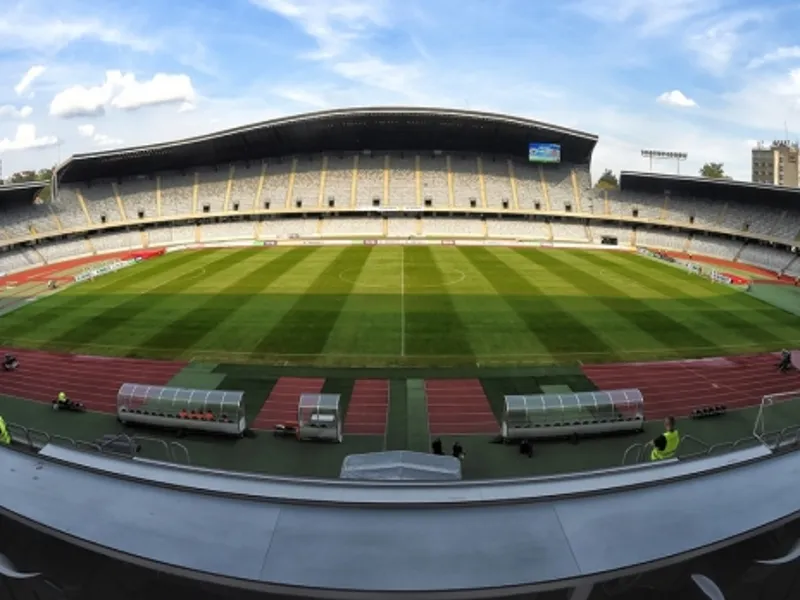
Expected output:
(708, 78)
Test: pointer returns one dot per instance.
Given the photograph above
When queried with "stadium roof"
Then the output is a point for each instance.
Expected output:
(703, 187)
(17, 193)
(346, 130)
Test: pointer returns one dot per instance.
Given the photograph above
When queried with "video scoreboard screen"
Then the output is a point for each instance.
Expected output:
(544, 153)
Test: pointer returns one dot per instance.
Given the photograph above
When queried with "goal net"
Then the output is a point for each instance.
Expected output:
(778, 418)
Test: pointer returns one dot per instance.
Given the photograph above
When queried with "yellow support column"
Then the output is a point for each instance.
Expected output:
(257, 230)
(322, 179)
(159, 203)
(512, 176)
(229, 188)
(485, 225)
(419, 226)
(418, 181)
(482, 183)
(549, 231)
(261, 180)
(722, 213)
(385, 226)
(545, 191)
(451, 190)
(575, 192)
(121, 207)
(39, 254)
(320, 225)
(386, 166)
(290, 189)
(85, 210)
(664, 209)
(633, 238)
(354, 183)
(56, 220)
(198, 233)
(90, 246)
(145, 239)
(195, 192)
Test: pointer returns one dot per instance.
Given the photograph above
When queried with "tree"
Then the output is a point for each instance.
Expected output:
(607, 181)
(713, 170)
(40, 175)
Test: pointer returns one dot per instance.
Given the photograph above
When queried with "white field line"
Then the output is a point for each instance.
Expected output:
(402, 302)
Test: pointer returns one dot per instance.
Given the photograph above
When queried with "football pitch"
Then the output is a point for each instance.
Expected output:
(401, 305)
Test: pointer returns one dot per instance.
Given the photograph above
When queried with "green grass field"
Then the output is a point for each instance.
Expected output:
(385, 305)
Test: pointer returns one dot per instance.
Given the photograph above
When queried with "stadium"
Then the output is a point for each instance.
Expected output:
(385, 278)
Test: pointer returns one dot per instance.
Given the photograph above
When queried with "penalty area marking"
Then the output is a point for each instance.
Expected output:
(457, 276)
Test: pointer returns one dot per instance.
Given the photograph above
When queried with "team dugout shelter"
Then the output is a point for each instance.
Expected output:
(380, 129)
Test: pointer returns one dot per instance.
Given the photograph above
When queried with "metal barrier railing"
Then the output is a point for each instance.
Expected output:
(785, 439)
(183, 450)
(36, 440)
(139, 439)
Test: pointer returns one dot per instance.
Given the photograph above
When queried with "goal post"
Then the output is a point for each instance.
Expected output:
(777, 413)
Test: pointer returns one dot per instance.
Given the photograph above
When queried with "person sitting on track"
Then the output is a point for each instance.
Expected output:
(526, 448)
(10, 362)
(666, 445)
(458, 451)
(786, 361)
(63, 401)
(436, 447)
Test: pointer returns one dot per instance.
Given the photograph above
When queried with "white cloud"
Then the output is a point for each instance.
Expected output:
(26, 139)
(651, 17)
(124, 92)
(334, 25)
(101, 139)
(784, 53)
(375, 72)
(717, 43)
(676, 98)
(30, 76)
(86, 130)
(302, 97)
(9, 111)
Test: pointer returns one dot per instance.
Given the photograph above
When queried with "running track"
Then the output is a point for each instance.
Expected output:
(93, 380)
(669, 388)
(677, 387)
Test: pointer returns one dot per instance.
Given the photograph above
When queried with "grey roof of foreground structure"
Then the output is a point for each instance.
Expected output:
(332, 131)
(362, 549)
(705, 187)
(16, 193)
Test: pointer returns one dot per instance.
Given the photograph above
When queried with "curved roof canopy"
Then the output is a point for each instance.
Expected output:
(19, 193)
(703, 187)
(349, 130)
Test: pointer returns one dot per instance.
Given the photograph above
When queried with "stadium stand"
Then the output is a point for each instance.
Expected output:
(461, 168)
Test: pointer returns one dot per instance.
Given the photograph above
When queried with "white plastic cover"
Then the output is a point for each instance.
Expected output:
(401, 465)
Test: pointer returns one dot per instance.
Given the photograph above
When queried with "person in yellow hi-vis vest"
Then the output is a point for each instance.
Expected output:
(5, 438)
(666, 445)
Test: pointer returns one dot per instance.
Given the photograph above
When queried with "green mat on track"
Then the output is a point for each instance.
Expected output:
(197, 380)
(419, 437)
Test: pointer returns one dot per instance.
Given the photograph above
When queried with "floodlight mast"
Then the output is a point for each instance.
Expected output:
(652, 155)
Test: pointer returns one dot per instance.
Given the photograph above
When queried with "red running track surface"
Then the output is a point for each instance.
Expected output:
(368, 409)
(281, 406)
(46, 272)
(93, 380)
(458, 407)
(676, 387)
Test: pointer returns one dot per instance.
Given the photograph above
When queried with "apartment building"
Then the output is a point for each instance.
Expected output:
(776, 164)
